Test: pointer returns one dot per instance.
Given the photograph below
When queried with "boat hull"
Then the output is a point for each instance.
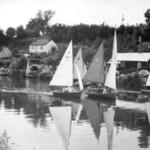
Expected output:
(67, 95)
(106, 96)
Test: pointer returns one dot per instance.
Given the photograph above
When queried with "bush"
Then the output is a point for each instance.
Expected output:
(4, 141)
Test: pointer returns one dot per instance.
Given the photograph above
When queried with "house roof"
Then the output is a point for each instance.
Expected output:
(5, 53)
(141, 57)
(40, 42)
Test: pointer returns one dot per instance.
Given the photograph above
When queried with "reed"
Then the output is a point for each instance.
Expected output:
(4, 141)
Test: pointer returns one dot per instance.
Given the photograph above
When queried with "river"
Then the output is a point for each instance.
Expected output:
(41, 122)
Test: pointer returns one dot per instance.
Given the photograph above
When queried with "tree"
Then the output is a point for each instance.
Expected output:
(3, 39)
(146, 30)
(10, 32)
(21, 33)
(41, 21)
(147, 16)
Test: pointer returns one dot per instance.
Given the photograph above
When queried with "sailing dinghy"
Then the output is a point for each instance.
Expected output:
(96, 74)
(64, 74)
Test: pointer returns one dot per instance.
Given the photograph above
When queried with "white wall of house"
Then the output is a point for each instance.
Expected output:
(43, 48)
(37, 49)
(49, 47)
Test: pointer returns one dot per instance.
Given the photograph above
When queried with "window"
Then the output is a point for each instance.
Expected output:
(32, 47)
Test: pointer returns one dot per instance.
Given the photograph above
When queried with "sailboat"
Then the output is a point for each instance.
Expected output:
(64, 122)
(63, 76)
(81, 65)
(97, 74)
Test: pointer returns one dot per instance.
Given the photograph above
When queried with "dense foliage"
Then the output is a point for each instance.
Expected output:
(86, 36)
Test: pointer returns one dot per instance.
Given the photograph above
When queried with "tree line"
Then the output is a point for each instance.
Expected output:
(128, 36)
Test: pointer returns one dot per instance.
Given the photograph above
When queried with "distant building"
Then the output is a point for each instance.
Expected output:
(147, 44)
(42, 46)
(5, 53)
(134, 60)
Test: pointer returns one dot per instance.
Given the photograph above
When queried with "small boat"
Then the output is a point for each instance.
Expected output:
(64, 76)
(96, 74)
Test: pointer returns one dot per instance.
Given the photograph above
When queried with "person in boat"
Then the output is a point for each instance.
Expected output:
(100, 87)
(69, 89)
(108, 90)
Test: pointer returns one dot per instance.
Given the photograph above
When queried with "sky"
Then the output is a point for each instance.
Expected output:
(14, 13)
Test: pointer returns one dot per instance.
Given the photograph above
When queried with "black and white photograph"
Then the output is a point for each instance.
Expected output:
(74, 75)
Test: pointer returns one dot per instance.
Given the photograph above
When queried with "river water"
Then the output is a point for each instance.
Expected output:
(41, 122)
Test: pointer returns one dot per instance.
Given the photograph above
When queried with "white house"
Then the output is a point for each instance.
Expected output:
(42, 46)
(133, 57)
(127, 60)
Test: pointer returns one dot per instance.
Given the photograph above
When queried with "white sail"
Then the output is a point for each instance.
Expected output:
(76, 111)
(64, 73)
(62, 119)
(109, 120)
(111, 75)
(148, 81)
(114, 51)
(79, 77)
(81, 65)
(28, 67)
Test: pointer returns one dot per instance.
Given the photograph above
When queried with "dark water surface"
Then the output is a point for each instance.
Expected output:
(41, 122)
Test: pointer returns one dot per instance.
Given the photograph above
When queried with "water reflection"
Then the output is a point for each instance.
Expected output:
(134, 115)
(19, 82)
(44, 122)
(32, 106)
(63, 116)
(99, 112)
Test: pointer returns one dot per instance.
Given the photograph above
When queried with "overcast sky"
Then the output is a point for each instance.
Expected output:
(14, 13)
